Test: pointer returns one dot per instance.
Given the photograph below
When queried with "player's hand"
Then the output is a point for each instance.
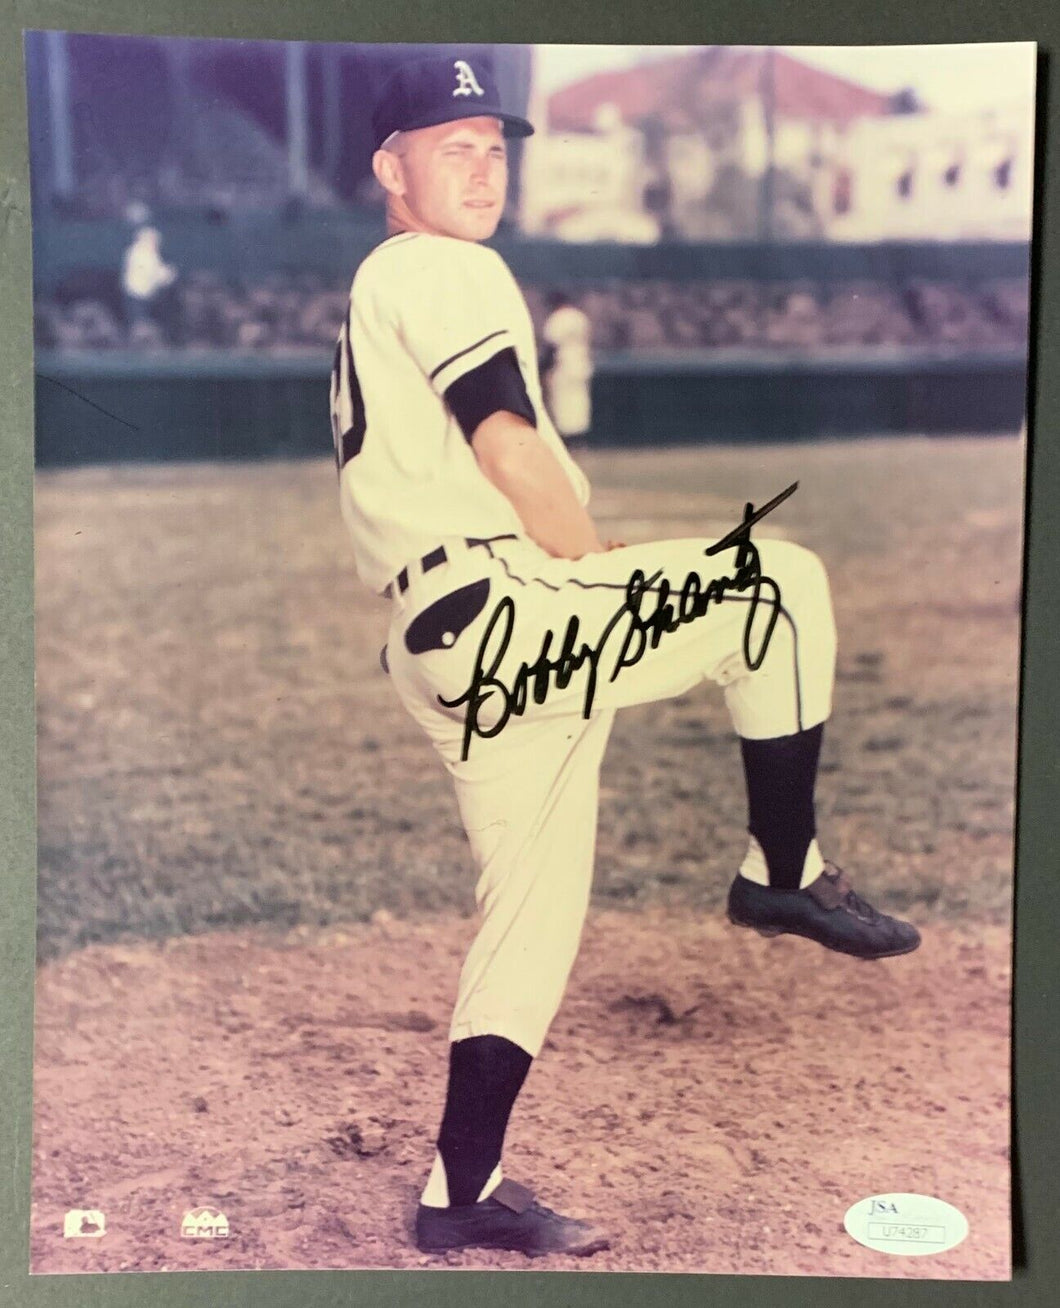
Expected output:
(614, 545)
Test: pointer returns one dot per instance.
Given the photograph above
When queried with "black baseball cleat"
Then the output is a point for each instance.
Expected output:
(509, 1219)
(828, 911)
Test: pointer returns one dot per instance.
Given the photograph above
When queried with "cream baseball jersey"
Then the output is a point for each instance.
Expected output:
(437, 334)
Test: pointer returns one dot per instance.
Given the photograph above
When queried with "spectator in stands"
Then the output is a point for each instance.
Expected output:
(137, 213)
(145, 281)
(568, 371)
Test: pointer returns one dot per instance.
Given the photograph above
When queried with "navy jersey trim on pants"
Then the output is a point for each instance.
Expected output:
(612, 585)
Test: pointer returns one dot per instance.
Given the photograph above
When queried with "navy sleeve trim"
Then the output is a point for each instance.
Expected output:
(494, 386)
(460, 353)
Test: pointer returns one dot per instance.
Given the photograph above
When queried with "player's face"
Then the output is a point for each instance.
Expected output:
(456, 177)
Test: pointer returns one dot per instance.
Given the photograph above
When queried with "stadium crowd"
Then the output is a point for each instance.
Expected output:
(287, 313)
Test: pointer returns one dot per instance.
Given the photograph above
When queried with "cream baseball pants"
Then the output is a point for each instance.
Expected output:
(527, 768)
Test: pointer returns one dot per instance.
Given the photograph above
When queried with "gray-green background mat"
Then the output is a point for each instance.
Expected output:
(1037, 1048)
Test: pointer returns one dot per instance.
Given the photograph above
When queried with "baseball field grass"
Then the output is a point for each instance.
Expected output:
(219, 744)
(254, 891)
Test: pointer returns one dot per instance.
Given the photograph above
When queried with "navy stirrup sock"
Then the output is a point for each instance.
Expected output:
(781, 774)
(486, 1074)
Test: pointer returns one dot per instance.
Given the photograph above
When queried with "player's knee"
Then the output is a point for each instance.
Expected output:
(799, 573)
(786, 558)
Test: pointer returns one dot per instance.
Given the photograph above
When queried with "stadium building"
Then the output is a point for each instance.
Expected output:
(730, 143)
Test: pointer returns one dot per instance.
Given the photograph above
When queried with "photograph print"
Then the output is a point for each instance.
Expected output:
(528, 551)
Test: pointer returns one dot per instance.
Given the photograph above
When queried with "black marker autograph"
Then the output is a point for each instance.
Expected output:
(533, 680)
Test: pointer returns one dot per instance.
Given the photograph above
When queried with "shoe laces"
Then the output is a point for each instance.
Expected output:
(552, 1215)
(852, 900)
(542, 1210)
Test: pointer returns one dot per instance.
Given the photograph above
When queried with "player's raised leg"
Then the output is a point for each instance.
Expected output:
(775, 659)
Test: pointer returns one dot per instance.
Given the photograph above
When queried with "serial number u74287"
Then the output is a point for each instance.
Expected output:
(904, 1231)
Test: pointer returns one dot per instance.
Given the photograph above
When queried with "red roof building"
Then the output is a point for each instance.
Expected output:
(679, 91)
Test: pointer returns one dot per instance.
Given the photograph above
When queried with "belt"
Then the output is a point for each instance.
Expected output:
(433, 559)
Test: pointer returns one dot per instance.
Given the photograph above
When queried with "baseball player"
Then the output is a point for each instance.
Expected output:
(567, 381)
(515, 633)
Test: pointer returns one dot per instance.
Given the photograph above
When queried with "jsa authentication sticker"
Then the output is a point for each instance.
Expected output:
(906, 1224)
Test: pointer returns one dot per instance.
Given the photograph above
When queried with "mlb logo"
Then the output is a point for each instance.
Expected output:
(83, 1223)
(204, 1224)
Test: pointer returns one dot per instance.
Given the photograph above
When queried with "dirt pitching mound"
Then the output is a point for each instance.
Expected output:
(715, 1101)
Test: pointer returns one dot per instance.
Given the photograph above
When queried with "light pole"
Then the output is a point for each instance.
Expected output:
(58, 63)
(297, 119)
(768, 91)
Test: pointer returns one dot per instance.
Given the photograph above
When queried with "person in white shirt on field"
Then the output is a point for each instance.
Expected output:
(567, 333)
(144, 276)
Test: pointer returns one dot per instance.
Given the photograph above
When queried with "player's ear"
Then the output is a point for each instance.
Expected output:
(388, 172)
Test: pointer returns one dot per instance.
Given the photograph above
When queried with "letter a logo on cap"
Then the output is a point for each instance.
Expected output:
(466, 83)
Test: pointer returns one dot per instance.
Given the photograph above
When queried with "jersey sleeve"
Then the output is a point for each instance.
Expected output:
(491, 387)
(456, 313)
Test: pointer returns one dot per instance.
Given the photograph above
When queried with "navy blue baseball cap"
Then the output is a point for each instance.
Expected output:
(440, 89)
